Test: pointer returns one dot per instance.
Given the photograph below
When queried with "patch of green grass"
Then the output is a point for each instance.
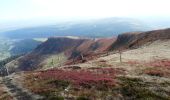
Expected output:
(55, 98)
(157, 71)
(165, 84)
(55, 60)
(136, 89)
(82, 98)
(60, 83)
(50, 96)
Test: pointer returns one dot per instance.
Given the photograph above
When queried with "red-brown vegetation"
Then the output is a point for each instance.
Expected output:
(160, 68)
(157, 72)
(161, 63)
(72, 49)
(100, 78)
(132, 62)
(80, 82)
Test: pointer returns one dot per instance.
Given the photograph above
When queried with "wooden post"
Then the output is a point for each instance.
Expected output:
(74, 61)
(52, 63)
(82, 57)
(1, 71)
(120, 53)
(6, 69)
(107, 53)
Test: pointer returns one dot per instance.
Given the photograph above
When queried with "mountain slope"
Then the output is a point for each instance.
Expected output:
(60, 49)
(24, 46)
(135, 40)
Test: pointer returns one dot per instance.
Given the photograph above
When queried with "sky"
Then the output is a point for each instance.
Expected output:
(26, 10)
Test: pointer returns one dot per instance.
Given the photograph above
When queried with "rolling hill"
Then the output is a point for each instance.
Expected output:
(57, 51)
(137, 39)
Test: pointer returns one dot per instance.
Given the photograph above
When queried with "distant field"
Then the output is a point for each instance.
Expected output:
(11, 47)
(5, 45)
(40, 39)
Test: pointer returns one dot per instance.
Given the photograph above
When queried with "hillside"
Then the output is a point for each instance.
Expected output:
(137, 39)
(57, 50)
(23, 46)
(142, 74)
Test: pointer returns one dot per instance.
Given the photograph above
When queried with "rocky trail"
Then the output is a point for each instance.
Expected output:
(17, 91)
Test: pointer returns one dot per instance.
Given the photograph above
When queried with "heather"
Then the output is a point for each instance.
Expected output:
(92, 83)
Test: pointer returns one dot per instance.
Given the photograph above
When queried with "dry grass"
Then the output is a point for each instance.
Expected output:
(4, 95)
(92, 83)
(54, 61)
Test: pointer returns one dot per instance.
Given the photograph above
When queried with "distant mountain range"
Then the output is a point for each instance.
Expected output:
(91, 28)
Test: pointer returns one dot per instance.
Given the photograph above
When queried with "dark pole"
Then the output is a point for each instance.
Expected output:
(120, 53)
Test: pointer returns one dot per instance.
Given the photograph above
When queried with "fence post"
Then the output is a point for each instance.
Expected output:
(120, 56)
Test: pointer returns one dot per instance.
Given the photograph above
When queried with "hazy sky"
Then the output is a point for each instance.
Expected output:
(32, 9)
(16, 13)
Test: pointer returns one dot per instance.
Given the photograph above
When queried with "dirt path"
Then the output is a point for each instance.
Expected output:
(17, 92)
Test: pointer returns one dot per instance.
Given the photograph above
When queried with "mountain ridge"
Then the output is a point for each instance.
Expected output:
(137, 39)
(70, 50)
